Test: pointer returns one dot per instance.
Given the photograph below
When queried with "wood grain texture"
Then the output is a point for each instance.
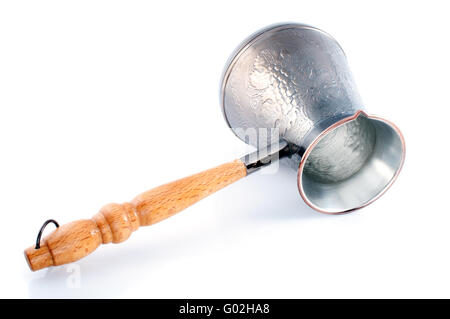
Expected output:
(115, 222)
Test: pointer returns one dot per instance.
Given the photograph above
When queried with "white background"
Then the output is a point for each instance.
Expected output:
(101, 100)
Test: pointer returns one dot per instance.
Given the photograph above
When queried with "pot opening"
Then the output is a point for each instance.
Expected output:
(351, 165)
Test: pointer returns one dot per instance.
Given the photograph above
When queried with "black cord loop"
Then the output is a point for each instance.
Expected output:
(38, 239)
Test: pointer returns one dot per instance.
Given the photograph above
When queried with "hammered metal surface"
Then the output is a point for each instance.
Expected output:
(342, 152)
(289, 77)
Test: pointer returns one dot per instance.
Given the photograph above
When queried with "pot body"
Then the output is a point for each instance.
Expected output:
(293, 80)
(291, 77)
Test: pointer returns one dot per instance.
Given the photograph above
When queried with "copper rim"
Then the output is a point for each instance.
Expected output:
(332, 127)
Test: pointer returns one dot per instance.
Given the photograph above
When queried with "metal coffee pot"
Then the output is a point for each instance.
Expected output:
(292, 82)
(295, 78)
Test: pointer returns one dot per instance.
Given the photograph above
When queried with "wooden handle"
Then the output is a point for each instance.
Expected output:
(115, 222)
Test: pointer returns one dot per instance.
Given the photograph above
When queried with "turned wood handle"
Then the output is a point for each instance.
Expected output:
(115, 222)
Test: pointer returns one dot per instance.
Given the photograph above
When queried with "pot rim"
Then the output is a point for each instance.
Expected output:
(329, 129)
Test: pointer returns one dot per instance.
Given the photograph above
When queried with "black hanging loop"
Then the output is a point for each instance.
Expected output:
(38, 239)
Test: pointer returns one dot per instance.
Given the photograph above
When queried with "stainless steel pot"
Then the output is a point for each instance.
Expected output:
(293, 80)
(291, 84)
